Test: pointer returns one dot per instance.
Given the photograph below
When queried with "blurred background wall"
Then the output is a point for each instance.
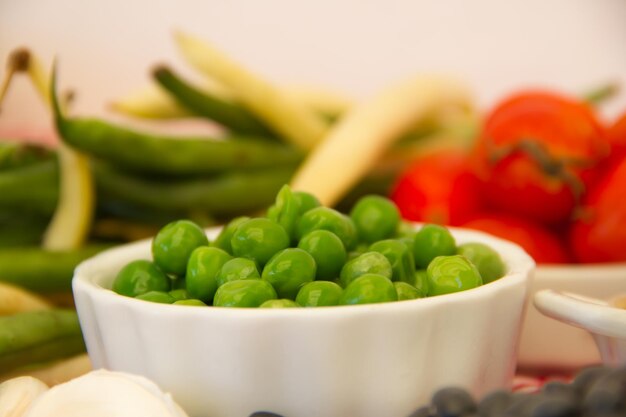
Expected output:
(106, 48)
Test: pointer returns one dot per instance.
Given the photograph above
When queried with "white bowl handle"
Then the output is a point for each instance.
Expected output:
(593, 315)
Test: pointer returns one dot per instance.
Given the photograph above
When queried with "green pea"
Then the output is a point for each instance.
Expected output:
(245, 293)
(487, 260)
(407, 291)
(431, 241)
(157, 297)
(448, 274)
(288, 270)
(319, 293)
(421, 282)
(405, 230)
(205, 263)
(327, 250)
(375, 218)
(178, 283)
(325, 218)
(172, 246)
(400, 258)
(259, 239)
(369, 289)
(179, 294)
(367, 263)
(282, 303)
(222, 240)
(189, 302)
(306, 201)
(237, 269)
(285, 211)
(139, 277)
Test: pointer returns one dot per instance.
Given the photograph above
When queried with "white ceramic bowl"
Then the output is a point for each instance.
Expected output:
(549, 345)
(605, 320)
(369, 360)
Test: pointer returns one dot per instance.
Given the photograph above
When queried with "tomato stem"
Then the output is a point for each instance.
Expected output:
(558, 168)
(601, 94)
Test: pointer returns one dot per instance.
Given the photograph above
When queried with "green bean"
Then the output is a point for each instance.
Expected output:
(33, 188)
(38, 336)
(14, 154)
(159, 154)
(19, 229)
(40, 270)
(228, 194)
(233, 117)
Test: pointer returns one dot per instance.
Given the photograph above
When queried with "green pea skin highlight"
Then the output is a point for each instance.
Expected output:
(237, 269)
(306, 201)
(288, 270)
(179, 294)
(487, 260)
(421, 282)
(286, 210)
(431, 241)
(367, 263)
(319, 294)
(173, 245)
(369, 289)
(190, 302)
(259, 239)
(222, 241)
(245, 293)
(139, 277)
(328, 252)
(203, 268)
(375, 218)
(157, 297)
(400, 258)
(407, 291)
(448, 274)
(325, 218)
(280, 303)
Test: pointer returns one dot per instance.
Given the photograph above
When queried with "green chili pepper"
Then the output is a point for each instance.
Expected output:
(38, 336)
(32, 188)
(233, 117)
(19, 229)
(220, 195)
(15, 154)
(164, 154)
(42, 271)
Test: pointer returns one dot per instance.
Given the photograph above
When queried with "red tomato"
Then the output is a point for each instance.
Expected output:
(600, 234)
(438, 188)
(538, 153)
(616, 135)
(540, 243)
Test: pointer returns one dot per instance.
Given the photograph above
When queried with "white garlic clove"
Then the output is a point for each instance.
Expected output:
(17, 394)
(105, 394)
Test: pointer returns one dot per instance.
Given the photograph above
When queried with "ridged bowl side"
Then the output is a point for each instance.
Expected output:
(358, 361)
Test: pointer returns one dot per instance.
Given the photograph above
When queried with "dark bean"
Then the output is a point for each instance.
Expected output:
(264, 414)
(453, 402)
(555, 406)
(494, 403)
(585, 378)
(607, 394)
(426, 411)
(563, 390)
(521, 405)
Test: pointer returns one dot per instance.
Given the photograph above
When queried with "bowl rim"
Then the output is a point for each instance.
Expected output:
(521, 267)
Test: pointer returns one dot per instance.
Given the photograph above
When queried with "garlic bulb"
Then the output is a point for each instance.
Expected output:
(18, 393)
(96, 394)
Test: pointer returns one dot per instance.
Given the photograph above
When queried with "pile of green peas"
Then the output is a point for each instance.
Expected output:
(305, 255)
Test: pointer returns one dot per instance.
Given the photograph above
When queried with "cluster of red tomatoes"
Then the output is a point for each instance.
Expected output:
(545, 172)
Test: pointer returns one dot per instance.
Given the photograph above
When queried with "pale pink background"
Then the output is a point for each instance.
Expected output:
(106, 48)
